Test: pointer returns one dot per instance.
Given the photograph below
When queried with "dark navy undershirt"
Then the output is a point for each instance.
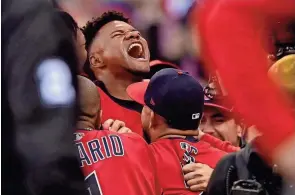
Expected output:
(187, 138)
(131, 105)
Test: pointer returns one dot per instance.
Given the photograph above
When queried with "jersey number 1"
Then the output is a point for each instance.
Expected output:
(93, 186)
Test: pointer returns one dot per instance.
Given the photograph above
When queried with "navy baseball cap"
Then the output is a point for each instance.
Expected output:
(173, 94)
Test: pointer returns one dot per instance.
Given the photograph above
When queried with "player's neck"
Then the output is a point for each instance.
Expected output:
(84, 125)
(117, 86)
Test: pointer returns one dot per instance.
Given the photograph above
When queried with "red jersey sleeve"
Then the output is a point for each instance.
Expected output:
(230, 42)
(219, 144)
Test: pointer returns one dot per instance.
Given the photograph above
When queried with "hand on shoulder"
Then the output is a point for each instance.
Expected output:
(116, 126)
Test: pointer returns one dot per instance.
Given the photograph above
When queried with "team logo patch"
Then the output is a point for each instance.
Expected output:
(55, 83)
(78, 136)
(195, 116)
(152, 102)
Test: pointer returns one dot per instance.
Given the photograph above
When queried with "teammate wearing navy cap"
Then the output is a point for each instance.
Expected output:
(173, 106)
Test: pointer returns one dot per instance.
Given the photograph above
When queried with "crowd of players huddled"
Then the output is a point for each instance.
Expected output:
(170, 111)
(142, 127)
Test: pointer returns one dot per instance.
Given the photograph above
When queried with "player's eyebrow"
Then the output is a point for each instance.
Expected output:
(132, 30)
(117, 31)
(122, 31)
(217, 115)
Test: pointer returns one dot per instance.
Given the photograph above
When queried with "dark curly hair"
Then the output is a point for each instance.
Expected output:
(93, 26)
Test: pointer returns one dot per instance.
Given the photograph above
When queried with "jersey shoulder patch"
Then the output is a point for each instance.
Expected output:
(79, 136)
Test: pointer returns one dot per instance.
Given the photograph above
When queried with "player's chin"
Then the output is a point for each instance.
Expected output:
(143, 69)
(139, 69)
(140, 66)
(138, 73)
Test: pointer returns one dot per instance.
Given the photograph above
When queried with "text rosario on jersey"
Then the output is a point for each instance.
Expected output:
(100, 149)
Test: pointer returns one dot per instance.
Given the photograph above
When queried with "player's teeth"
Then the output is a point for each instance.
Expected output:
(134, 45)
(140, 49)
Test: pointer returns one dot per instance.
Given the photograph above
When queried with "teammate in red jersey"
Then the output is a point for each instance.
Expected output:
(110, 162)
(173, 106)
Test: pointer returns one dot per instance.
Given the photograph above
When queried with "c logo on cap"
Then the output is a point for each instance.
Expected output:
(152, 102)
(196, 116)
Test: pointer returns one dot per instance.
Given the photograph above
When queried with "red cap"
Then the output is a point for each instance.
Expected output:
(137, 90)
(216, 103)
(162, 63)
(157, 65)
(217, 106)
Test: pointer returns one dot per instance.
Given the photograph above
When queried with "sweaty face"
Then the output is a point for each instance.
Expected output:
(122, 47)
(220, 125)
(80, 49)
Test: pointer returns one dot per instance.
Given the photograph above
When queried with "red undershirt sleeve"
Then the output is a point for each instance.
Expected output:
(219, 144)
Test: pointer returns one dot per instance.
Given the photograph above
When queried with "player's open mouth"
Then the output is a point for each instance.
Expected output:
(136, 50)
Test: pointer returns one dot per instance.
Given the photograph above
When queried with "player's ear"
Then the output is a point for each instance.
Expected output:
(96, 61)
(152, 119)
(100, 114)
(98, 119)
(239, 131)
(200, 120)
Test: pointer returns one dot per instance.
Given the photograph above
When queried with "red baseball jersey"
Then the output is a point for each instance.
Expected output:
(113, 110)
(116, 163)
(172, 153)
